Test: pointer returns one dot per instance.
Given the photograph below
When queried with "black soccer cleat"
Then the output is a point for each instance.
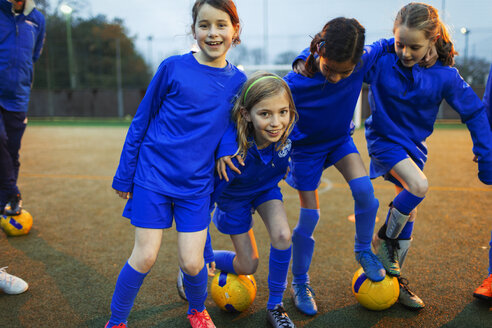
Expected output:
(14, 206)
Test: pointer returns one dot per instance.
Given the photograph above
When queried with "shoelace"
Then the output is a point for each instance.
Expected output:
(393, 245)
(404, 284)
(305, 293)
(281, 316)
(202, 317)
(6, 277)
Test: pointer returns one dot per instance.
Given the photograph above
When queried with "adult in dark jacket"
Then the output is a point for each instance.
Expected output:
(22, 31)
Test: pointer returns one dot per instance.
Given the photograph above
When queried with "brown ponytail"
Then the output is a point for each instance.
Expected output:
(425, 18)
(311, 65)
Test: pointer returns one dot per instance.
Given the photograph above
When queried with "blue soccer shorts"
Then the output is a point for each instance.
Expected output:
(306, 167)
(148, 209)
(383, 160)
(238, 219)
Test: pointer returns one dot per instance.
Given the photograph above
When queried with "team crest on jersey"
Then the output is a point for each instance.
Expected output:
(286, 149)
(32, 23)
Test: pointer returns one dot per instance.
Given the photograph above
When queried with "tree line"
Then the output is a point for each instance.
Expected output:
(95, 41)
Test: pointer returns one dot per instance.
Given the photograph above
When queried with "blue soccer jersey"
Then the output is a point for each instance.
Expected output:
(21, 44)
(171, 143)
(263, 171)
(326, 109)
(487, 97)
(405, 102)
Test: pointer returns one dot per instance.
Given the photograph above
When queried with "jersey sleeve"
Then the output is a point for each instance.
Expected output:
(40, 38)
(472, 112)
(221, 184)
(373, 52)
(148, 108)
(487, 97)
(228, 143)
(302, 56)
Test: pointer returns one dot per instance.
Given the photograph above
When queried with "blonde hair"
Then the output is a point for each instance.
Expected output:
(259, 86)
(424, 17)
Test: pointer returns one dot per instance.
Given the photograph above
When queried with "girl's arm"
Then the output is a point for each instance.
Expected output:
(299, 63)
(148, 108)
(227, 148)
(220, 184)
(38, 46)
(302, 56)
(375, 51)
(371, 54)
(487, 97)
(472, 112)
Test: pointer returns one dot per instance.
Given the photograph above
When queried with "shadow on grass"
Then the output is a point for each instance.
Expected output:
(11, 306)
(139, 317)
(78, 283)
(354, 316)
(468, 316)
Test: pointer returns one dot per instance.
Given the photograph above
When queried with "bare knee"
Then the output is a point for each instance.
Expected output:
(247, 266)
(143, 262)
(191, 267)
(281, 239)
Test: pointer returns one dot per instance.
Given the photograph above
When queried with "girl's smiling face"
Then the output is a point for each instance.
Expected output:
(214, 33)
(411, 45)
(270, 118)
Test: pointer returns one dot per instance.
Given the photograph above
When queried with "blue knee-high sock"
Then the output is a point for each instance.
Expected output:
(406, 233)
(277, 275)
(224, 261)
(365, 209)
(303, 244)
(490, 255)
(196, 289)
(208, 251)
(405, 202)
(126, 289)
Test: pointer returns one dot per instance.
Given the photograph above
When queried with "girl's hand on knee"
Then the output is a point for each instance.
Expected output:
(211, 269)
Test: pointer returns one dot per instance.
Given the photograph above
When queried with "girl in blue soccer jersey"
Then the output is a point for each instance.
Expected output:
(264, 115)
(404, 100)
(167, 164)
(325, 93)
(484, 291)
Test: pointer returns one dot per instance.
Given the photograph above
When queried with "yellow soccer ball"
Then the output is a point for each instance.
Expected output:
(16, 225)
(372, 295)
(233, 293)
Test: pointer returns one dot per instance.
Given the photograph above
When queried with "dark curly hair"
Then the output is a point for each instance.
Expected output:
(340, 40)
